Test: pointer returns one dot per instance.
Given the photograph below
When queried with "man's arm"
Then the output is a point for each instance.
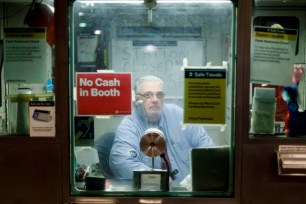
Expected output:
(126, 155)
(198, 137)
(195, 134)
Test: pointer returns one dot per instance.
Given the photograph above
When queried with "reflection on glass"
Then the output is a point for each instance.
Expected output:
(277, 62)
(151, 40)
(27, 65)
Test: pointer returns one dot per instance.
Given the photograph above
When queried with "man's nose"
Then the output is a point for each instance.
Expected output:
(154, 98)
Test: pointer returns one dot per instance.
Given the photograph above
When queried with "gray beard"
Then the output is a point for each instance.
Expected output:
(154, 118)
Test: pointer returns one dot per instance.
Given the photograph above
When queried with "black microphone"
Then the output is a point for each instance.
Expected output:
(170, 173)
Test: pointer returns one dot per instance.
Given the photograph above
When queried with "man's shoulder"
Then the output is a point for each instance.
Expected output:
(172, 106)
(173, 110)
(130, 120)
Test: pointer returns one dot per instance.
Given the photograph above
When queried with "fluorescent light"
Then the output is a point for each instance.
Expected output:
(113, 1)
(193, 1)
(97, 32)
(158, 1)
(82, 25)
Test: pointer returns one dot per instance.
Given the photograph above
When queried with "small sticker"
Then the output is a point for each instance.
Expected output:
(133, 153)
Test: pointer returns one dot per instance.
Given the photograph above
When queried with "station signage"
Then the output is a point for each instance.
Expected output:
(103, 93)
(205, 96)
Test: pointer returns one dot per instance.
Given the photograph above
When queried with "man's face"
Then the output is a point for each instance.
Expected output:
(153, 99)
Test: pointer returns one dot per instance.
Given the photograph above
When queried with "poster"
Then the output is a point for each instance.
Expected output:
(86, 44)
(272, 55)
(25, 55)
(204, 96)
(103, 93)
(42, 118)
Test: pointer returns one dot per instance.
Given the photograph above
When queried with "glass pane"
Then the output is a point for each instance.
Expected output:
(182, 108)
(27, 104)
(277, 88)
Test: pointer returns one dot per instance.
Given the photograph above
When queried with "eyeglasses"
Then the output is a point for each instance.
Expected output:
(149, 95)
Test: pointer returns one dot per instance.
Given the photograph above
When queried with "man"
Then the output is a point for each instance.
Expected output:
(151, 112)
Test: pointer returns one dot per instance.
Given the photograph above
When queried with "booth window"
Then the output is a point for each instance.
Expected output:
(27, 105)
(190, 46)
(277, 98)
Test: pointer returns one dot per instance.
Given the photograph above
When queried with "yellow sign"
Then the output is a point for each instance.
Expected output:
(204, 96)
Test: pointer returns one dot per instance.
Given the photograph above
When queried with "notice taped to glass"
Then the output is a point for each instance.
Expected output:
(204, 96)
(272, 55)
(25, 55)
(42, 118)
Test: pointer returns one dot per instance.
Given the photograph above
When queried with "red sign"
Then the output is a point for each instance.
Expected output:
(103, 93)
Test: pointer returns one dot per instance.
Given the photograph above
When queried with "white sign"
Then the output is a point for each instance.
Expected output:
(42, 118)
(25, 55)
(86, 44)
(272, 55)
(162, 58)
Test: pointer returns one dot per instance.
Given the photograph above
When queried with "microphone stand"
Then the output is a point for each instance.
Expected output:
(142, 111)
(168, 168)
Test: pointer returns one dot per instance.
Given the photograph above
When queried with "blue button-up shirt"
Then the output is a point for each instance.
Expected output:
(126, 155)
